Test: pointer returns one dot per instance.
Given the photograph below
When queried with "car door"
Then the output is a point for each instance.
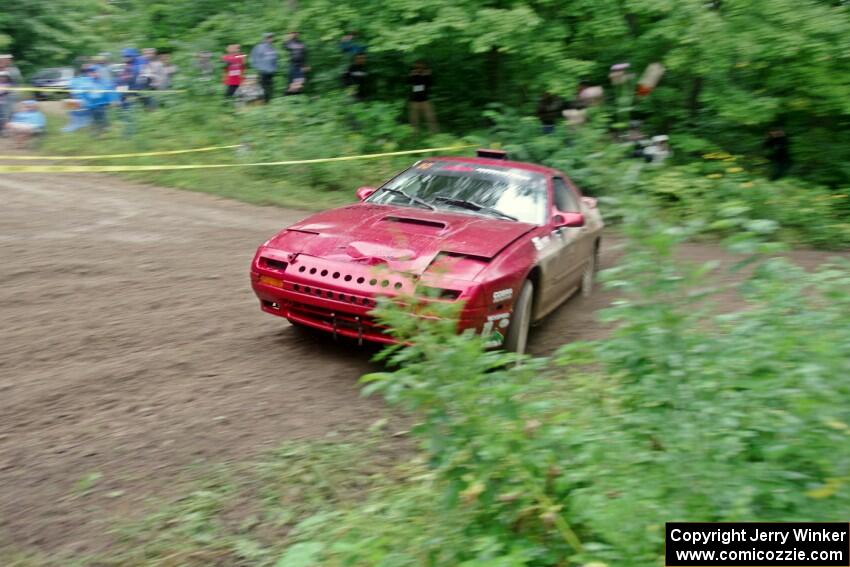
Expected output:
(570, 239)
(554, 250)
(587, 233)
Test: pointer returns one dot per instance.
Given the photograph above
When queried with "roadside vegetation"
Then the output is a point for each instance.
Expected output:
(716, 191)
(733, 72)
(687, 410)
(690, 409)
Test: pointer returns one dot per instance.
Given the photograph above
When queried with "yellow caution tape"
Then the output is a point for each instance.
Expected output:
(57, 90)
(113, 156)
(119, 168)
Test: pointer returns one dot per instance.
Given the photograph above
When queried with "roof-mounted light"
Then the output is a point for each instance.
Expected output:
(491, 154)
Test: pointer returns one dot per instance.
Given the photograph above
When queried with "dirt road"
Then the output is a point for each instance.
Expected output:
(131, 346)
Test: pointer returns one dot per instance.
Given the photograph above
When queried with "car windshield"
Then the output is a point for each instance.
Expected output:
(501, 192)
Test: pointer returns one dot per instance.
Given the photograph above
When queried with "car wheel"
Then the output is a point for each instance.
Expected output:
(517, 337)
(589, 275)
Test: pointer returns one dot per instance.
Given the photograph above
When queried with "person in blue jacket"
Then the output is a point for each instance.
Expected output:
(351, 46)
(93, 99)
(97, 97)
(27, 122)
(78, 115)
(133, 63)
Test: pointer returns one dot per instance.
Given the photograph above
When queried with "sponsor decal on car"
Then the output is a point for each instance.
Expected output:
(496, 339)
(491, 329)
(502, 295)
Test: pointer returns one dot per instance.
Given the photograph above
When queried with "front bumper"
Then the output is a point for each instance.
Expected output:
(336, 297)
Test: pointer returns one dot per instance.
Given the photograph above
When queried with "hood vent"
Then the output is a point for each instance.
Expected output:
(419, 222)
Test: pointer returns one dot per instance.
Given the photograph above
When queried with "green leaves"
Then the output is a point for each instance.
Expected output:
(45, 32)
(686, 411)
(305, 554)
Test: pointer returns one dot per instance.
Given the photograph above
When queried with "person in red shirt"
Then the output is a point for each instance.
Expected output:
(234, 70)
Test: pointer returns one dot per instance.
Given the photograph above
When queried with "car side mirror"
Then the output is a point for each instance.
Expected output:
(568, 220)
(364, 192)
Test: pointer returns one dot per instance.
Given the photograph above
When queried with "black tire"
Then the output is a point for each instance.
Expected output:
(516, 339)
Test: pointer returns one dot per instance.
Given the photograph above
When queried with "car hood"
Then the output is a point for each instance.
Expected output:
(404, 238)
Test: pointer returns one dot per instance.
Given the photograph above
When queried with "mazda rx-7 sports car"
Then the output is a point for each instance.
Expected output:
(510, 240)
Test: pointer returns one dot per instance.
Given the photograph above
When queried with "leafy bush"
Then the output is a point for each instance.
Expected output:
(725, 200)
(706, 403)
(688, 412)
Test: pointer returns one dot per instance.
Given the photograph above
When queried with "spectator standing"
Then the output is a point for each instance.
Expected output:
(96, 99)
(7, 65)
(129, 75)
(264, 61)
(778, 152)
(152, 76)
(104, 73)
(621, 81)
(234, 69)
(127, 80)
(6, 99)
(548, 111)
(589, 95)
(26, 123)
(350, 45)
(420, 81)
(79, 115)
(203, 63)
(297, 61)
(357, 76)
(169, 70)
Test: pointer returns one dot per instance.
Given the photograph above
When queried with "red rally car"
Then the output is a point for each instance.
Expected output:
(511, 240)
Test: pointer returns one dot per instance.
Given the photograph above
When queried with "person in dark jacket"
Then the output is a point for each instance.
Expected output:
(778, 152)
(357, 76)
(549, 111)
(297, 59)
(420, 82)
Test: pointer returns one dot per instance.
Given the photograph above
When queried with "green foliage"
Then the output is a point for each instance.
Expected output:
(729, 198)
(688, 411)
(706, 403)
(249, 513)
(50, 32)
(734, 68)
